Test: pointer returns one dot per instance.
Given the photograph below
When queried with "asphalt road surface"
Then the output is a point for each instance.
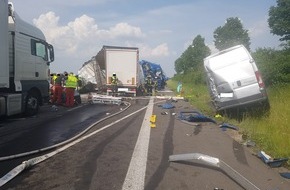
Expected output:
(126, 152)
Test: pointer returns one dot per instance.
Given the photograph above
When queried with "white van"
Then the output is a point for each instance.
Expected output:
(234, 79)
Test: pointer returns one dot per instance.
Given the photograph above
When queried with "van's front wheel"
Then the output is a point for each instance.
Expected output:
(31, 104)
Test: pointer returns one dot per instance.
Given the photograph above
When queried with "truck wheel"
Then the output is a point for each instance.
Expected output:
(31, 104)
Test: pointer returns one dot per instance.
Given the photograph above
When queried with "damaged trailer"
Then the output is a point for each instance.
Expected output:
(234, 79)
(123, 61)
(155, 71)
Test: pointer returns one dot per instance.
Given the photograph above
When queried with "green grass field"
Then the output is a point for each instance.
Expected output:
(270, 132)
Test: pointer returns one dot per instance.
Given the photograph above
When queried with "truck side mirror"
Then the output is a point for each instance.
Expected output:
(51, 53)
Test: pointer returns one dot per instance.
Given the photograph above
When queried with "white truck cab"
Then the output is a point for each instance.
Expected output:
(25, 58)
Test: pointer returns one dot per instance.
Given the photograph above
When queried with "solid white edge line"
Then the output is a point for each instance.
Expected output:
(33, 161)
(135, 178)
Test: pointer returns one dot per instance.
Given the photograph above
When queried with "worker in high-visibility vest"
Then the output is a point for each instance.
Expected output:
(58, 89)
(70, 86)
(149, 85)
(114, 84)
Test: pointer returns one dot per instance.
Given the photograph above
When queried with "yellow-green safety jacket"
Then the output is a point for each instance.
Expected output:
(71, 82)
(114, 80)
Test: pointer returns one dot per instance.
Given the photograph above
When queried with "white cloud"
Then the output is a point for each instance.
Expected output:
(83, 27)
(124, 29)
(48, 23)
(160, 50)
(82, 33)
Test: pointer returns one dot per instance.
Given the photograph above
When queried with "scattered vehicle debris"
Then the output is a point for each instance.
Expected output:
(285, 175)
(249, 143)
(199, 158)
(168, 105)
(194, 116)
(164, 113)
(54, 108)
(272, 162)
(94, 98)
(225, 126)
(173, 98)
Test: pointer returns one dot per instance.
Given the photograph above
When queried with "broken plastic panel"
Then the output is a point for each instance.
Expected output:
(217, 163)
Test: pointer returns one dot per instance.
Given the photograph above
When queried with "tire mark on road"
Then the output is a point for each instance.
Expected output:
(167, 151)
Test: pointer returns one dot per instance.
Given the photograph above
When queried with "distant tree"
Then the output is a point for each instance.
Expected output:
(179, 66)
(192, 58)
(198, 52)
(279, 19)
(231, 34)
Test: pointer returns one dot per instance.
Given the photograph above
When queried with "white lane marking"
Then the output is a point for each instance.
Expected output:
(135, 178)
(33, 161)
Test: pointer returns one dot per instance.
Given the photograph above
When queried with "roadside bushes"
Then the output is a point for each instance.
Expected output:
(274, 65)
(191, 77)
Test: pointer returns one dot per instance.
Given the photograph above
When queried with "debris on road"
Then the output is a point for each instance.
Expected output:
(95, 98)
(194, 116)
(272, 162)
(285, 175)
(54, 108)
(168, 105)
(207, 160)
(173, 98)
(226, 126)
(249, 143)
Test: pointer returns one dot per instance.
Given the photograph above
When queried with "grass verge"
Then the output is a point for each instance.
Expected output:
(270, 132)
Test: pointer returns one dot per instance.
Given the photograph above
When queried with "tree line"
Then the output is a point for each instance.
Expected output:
(273, 64)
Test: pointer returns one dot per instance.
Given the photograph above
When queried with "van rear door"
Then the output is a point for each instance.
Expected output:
(235, 75)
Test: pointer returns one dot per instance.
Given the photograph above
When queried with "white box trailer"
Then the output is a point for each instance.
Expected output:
(124, 61)
(24, 61)
(234, 79)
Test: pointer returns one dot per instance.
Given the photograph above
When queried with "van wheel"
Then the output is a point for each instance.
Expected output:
(31, 104)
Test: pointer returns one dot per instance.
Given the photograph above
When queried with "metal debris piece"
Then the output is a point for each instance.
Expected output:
(164, 113)
(217, 163)
(272, 162)
(104, 99)
(224, 126)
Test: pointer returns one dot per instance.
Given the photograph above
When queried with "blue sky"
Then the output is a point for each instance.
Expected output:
(162, 30)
